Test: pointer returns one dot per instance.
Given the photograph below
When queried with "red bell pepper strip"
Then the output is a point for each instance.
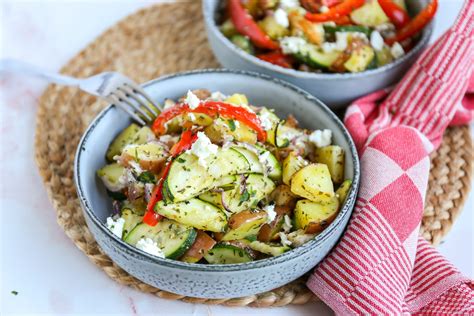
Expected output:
(343, 20)
(213, 109)
(246, 25)
(276, 58)
(342, 9)
(416, 24)
(186, 141)
(395, 13)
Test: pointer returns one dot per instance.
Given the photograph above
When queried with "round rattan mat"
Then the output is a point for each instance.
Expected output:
(170, 38)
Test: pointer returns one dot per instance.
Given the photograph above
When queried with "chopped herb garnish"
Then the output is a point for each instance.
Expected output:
(232, 125)
(147, 177)
(14, 292)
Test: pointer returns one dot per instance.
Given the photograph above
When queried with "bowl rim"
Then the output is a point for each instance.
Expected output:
(212, 26)
(293, 254)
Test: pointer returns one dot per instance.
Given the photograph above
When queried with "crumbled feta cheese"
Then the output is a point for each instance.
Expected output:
(385, 27)
(203, 148)
(125, 179)
(397, 50)
(323, 9)
(299, 237)
(289, 4)
(169, 104)
(281, 17)
(321, 138)
(218, 96)
(150, 246)
(192, 100)
(116, 226)
(287, 224)
(265, 120)
(376, 40)
(270, 209)
(292, 44)
(284, 239)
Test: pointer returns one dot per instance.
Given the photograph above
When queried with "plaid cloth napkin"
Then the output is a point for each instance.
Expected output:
(381, 265)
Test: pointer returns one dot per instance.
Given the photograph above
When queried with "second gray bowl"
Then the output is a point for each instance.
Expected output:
(336, 90)
(204, 280)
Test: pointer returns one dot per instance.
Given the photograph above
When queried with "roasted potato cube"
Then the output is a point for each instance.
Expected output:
(291, 164)
(271, 27)
(334, 157)
(313, 182)
(202, 244)
(342, 191)
(313, 217)
(283, 197)
(149, 156)
(122, 140)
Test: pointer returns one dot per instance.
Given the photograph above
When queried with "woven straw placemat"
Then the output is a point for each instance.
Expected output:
(170, 38)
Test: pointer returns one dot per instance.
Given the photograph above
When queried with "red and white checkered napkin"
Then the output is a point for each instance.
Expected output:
(381, 265)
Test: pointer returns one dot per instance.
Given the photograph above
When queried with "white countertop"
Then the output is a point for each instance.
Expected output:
(37, 259)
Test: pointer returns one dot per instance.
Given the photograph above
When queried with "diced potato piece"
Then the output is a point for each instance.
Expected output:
(383, 56)
(144, 135)
(314, 183)
(239, 131)
(199, 119)
(334, 157)
(269, 230)
(282, 196)
(110, 175)
(122, 140)
(342, 191)
(271, 27)
(150, 156)
(237, 99)
(202, 244)
(291, 164)
(360, 59)
(246, 223)
(370, 14)
(314, 217)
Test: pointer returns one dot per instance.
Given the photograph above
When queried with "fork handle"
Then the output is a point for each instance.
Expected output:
(20, 67)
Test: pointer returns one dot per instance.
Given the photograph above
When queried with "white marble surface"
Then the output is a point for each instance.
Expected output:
(37, 260)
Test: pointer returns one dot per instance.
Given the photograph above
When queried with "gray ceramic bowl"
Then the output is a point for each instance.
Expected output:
(336, 90)
(199, 280)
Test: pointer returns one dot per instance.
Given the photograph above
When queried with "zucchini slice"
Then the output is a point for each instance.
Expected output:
(347, 28)
(254, 163)
(187, 178)
(315, 57)
(173, 238)
(246, 223)
(123, 139)
(195, 213)
(223, 253)
(258, 187)
(131, 221)
(269, 249)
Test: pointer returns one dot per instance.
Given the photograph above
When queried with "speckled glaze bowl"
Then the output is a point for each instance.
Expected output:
(200, 280)
(336, 90)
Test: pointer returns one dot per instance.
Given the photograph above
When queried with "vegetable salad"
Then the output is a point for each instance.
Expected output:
(333, 36)
(217, 180)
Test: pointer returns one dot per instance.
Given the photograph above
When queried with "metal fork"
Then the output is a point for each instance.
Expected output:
(114, 87)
